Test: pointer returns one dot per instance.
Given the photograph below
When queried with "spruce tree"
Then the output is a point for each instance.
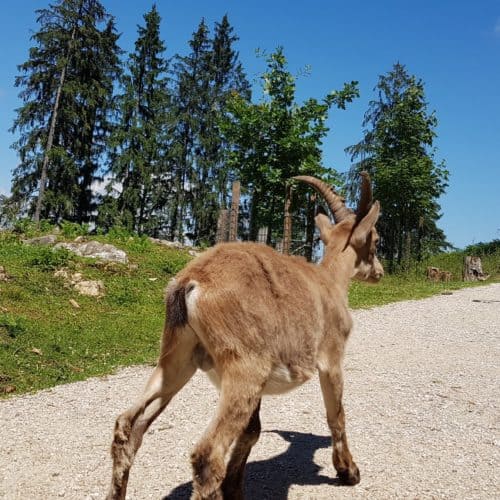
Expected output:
(205, 79)
(397, 150)
(139, 142)
(67, 85)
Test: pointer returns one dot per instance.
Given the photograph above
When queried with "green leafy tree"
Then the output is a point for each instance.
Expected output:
(397, 150)
(67, 86)
(276, 139)
(139, 141)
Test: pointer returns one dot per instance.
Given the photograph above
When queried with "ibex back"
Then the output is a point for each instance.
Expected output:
(257, 322)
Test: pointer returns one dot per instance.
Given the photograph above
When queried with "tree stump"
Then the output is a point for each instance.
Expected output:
(473, 269)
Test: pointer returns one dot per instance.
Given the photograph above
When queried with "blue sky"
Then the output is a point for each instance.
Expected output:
(453, 46)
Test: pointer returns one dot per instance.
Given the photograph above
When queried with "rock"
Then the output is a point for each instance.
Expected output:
(74, 303)
(62, 273)
(91, 288)
(48, 239)
(95, 250)
(166, 243)
(3, 274)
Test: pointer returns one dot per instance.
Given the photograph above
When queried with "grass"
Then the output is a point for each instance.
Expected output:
(45, 340)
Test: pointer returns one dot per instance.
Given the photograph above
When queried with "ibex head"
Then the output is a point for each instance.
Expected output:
(353, 232)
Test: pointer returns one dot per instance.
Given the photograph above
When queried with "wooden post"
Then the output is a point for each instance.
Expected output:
(287, 225)
(262, 235)
(235, 205)
(222, 223)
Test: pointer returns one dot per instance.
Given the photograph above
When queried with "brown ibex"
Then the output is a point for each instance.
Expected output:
(258, 323)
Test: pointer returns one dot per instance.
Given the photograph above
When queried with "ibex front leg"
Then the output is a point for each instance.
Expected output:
(175, 367)
(332, 387)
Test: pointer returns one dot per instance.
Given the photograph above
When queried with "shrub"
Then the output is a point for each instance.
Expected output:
(72, 229)
(48, 259)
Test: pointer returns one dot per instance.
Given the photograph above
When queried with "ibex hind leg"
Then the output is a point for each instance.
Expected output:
(174, 369)
(233, 484)
(239, 398)
(332, 386)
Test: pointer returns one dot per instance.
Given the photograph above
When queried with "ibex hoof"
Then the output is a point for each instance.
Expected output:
(350, 476)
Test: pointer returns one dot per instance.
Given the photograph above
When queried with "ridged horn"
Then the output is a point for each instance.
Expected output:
(334, 201)
(366, 196)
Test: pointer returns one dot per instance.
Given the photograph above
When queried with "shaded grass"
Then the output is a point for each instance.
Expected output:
(45, 341)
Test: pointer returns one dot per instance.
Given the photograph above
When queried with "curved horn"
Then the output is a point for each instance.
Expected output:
(365, 199)
(334, 201)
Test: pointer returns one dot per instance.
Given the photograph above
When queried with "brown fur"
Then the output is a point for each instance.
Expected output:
(258, 323)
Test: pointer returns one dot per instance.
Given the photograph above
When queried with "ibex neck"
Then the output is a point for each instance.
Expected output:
(339, 266)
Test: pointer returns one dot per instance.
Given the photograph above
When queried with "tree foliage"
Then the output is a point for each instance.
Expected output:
(139, 141)
(397, 150)
(205, 79)
(78, 37)
(276, 139)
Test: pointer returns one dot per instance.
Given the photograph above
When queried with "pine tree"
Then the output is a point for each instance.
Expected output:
(397, 150)
(67, 87)
(191, 97)
(205, 79)
(139, 141)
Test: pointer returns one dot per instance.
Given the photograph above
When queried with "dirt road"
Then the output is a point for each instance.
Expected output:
(422, 403)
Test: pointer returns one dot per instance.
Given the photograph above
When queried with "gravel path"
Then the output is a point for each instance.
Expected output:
(422, 404)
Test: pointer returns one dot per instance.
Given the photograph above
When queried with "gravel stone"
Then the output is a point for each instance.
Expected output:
(421, 401)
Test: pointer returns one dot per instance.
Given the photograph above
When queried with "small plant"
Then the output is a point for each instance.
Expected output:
(30, 229)
(48, 259)
(72, 229)
(13, 325)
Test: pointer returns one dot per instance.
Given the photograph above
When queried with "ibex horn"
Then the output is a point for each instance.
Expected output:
(334, 201)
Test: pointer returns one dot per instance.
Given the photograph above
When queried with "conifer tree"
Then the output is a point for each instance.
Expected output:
(205, 79)
(397, 150)
(67, 85)
(139, 142)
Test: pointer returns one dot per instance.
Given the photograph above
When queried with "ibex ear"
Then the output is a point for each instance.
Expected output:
(365, 225)
(324, 225)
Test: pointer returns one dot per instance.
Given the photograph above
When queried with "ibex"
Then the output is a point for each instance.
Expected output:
(257, 322)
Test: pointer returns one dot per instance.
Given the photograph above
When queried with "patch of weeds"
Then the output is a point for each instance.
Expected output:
(122, 296)
(30, 229)
(48, 259)
(175, 263)
(72, 229)
(12, 325)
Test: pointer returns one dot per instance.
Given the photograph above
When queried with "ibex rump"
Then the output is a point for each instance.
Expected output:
(258, 323)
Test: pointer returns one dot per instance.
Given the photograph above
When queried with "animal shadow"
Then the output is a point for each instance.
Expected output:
(272, 478)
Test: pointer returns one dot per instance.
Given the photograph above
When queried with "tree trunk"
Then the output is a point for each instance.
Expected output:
(287, 224)
(310, 226)
(235, 205)
(53, 120)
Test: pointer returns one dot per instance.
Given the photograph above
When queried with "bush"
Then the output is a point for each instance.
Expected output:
(72, 229)
(48, 259)
(29, 228)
